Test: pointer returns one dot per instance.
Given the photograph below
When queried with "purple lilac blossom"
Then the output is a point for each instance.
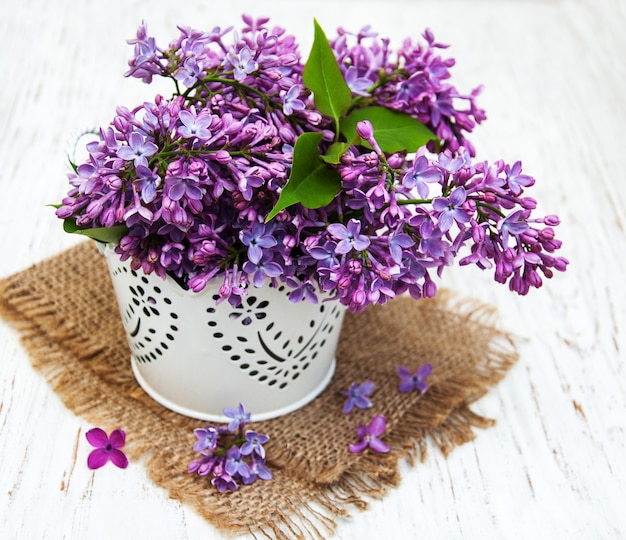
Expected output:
(349, 237)
(242, 63)
(254, 444)
(194, 176)
(414, 381)
(138, 150)
(358, 396)
(239, 417)
(369, 436)
(207, 439)
(228, 456)
(291, 101)
(106, 448)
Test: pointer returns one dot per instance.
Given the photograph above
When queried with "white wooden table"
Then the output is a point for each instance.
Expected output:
(554, 466)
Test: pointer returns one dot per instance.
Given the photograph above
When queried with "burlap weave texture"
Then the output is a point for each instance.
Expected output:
(66, 313)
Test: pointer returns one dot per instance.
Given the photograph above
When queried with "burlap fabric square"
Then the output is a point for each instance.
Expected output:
(66, 313)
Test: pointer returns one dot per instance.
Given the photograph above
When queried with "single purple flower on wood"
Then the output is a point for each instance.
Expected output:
(411, 381)
(106, 448)
(369, 436)
(358, 396)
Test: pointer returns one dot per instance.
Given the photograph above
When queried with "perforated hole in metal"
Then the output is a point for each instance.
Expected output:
(147, 302)
(260, 348)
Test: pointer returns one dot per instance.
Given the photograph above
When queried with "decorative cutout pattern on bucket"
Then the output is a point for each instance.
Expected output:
(267, 354)
(197, 356)
(146, 303)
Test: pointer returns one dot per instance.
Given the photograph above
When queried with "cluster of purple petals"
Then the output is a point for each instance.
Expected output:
(413, 79)
(193, 177)
(406, 220)
(230, 454)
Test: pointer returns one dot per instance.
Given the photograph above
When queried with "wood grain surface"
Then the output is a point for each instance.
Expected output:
(554, 465)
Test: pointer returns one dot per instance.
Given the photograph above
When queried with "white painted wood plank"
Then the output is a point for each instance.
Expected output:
(554, 75)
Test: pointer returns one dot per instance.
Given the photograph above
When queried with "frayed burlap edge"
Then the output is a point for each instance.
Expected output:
(303, 508)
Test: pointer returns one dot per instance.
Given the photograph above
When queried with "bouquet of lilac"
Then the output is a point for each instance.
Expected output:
(230, 454)
(350, 174)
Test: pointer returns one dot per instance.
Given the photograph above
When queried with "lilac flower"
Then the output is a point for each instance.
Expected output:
(358, 396)
(248, 183)
(86, 179)
(365, 130)
(207, 439)
(451, 209)
(195, 125)
(358, 85)
(259, 469)
(302, 290)
(397, 243)
(147, 182)
(138, 150)
(515, 179)
(422, 174)
(513, 224)
(204, 465)
(266, 267)
(106, 448)
(291, 101)
(242, 63)
(190, 72)
(369, 436)
(239, 417)
(224, 482)
(325, 255)
(221, 152)
(411, 381)
(145, 62)
(257, 239)
(254, 444)
(183, 186)
(228, 455)
(349, 237)
(235, 464)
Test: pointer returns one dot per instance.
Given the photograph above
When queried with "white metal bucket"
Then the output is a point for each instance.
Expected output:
(196, 357)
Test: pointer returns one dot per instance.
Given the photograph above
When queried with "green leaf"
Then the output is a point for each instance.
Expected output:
(323, 77)
(337, 150)
(394, 131)
(101, 234)
(312, 182)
